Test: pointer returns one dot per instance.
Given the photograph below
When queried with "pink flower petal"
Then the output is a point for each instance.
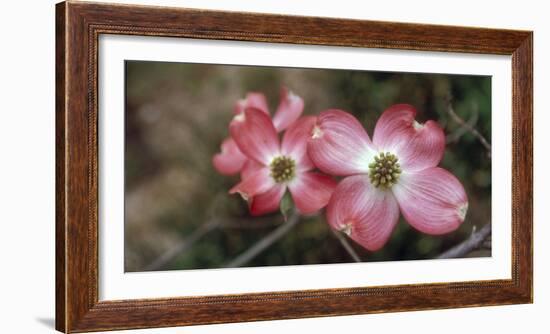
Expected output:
(295, 142)
(252, 100)
(255, 184)
(311, 191)
(339, 144)
(432, 200)
(267, 202)
(365, 213)
(250, 167)
(289, 110)
(255, 135)
(418, 146)
(230, 160)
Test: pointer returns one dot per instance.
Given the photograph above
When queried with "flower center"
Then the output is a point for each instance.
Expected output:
(282, 169)
(384, 171)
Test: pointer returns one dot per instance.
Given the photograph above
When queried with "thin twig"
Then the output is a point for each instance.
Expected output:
(468, 127)
(347, 246)
(475, 241)
(460, 131)
(264, 243)
(246, 225)
(183, 246)
(186, 243)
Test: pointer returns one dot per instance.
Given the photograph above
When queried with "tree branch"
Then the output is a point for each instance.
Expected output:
(475, 241)
(264, 243)
(347, 246)
(468, 127)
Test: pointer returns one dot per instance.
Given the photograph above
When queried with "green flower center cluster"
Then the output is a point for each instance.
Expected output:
(283, 169)
(384, 171)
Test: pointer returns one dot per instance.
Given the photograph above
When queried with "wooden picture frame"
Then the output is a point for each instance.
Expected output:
(78, 27)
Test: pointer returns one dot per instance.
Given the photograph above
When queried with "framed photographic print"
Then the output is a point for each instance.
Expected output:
(211, 169)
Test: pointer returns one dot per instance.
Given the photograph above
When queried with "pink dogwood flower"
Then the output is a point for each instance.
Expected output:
(230, 160)
(274, 167)
(395, 172)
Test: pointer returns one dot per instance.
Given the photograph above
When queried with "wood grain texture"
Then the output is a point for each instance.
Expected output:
(78, 28)
(60, 180)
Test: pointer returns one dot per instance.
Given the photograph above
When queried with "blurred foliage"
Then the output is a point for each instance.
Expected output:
(177, 116)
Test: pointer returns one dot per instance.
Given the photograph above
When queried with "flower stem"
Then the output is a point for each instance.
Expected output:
(345, 243)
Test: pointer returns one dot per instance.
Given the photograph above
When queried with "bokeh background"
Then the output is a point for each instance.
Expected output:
(178, 213)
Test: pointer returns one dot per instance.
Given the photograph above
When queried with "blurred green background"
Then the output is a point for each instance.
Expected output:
(177, 115)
